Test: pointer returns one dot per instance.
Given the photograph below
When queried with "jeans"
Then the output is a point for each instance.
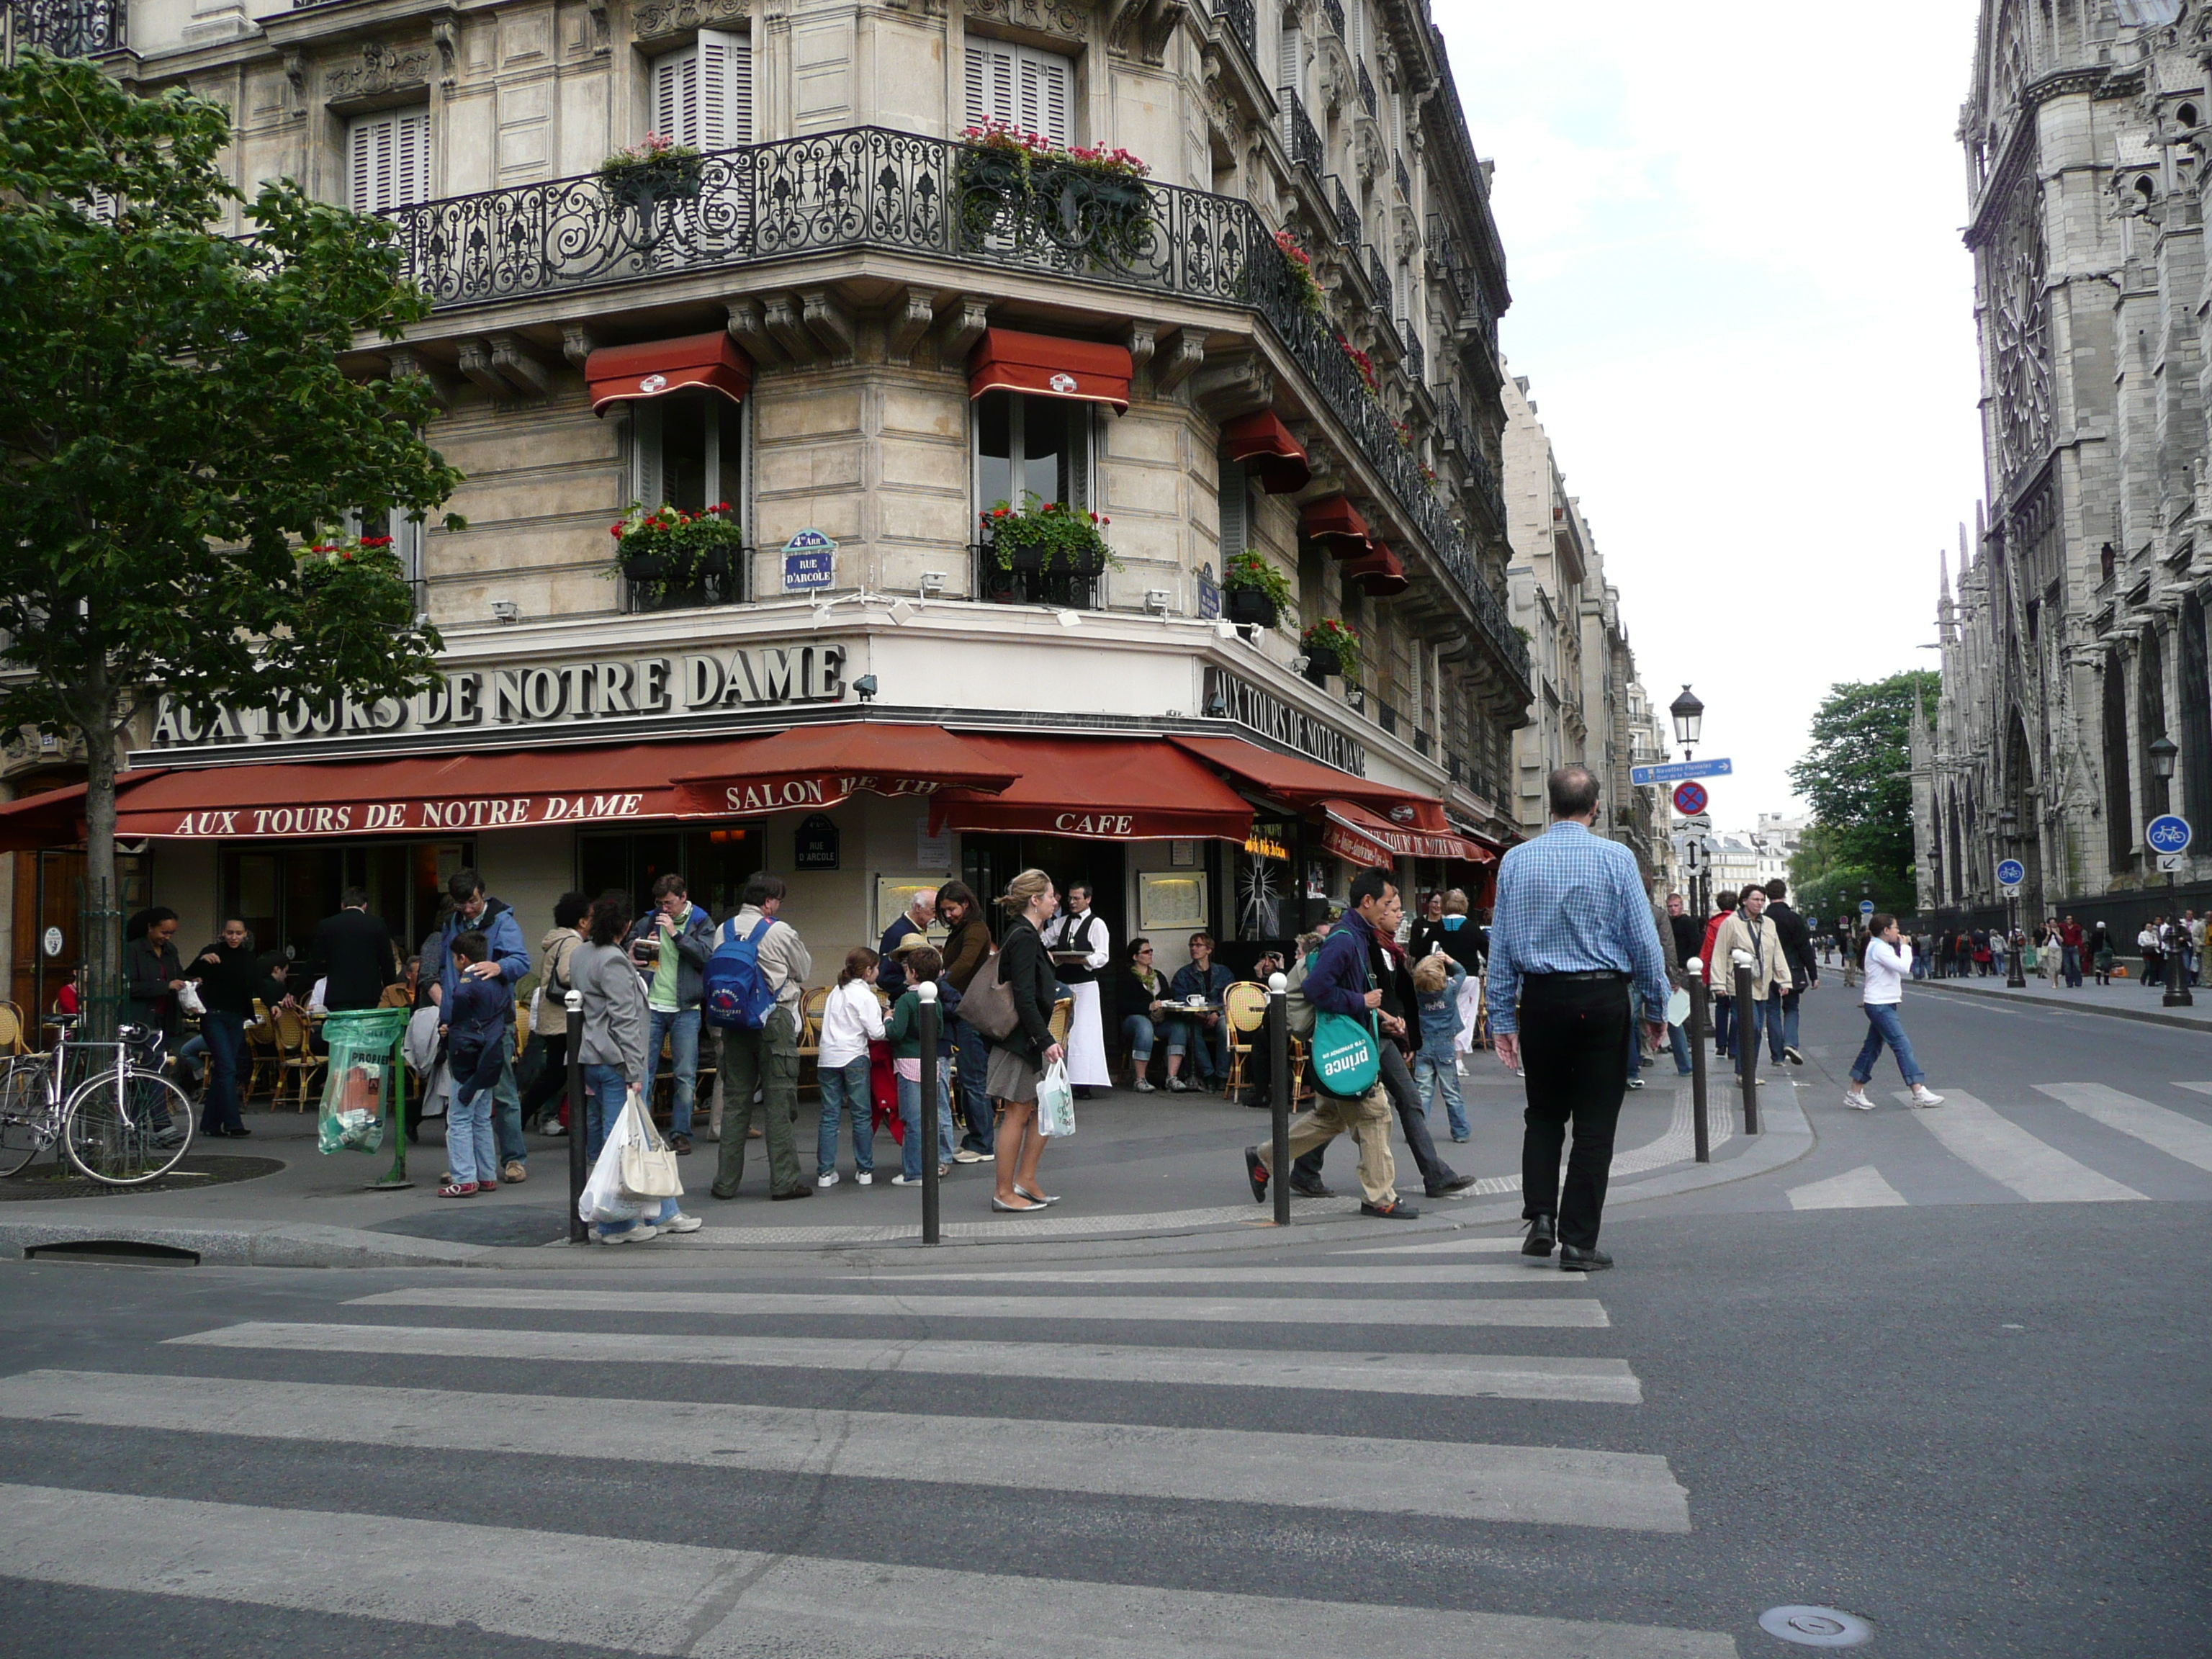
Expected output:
(1678, 1040)
(605, 1089)
(226, 1035)
(1724, 1026)
(681, 1028)
(1138, 1035)
(1885, 1025)
(1208, 1050)
(506, 1117)
(469, 1146)
(845, 1089)
(2072, 968)
(974, 1055)
(1432, 1076)
(1781, 1023)
(909, 1094)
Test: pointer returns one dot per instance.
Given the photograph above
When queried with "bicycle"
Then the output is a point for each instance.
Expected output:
(123, 1125)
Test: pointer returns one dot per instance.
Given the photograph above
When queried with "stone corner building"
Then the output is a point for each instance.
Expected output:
(2074, 635)
(862, 333)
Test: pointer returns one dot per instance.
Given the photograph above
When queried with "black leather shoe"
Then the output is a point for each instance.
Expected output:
(1256, 1172)
(1446, 1188)
(680, 1144)
(1573, 1261)
(795, 1192)
(1397, 1210)
(1542, 1235)
(1318, 1189)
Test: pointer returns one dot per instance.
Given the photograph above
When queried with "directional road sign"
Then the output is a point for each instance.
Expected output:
(2011, 872)
(2167, 833)
(1690, 798)
(1866, 907)
(1676, 772)
(2169, 863)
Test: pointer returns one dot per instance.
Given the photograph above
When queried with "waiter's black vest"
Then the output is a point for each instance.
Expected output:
(1076, 939)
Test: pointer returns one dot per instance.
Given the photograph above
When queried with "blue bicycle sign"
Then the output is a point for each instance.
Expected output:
(2011, 872)
(2167, 833)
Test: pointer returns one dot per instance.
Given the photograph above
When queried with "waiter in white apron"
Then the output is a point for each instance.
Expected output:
(1078, 942)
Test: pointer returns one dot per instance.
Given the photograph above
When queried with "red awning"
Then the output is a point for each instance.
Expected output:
(1097, 789)
(657, 368)
(1362, 833)
(823, 765)
(52, 817)
(1265, 444)
(1378, 572)
(1303, 783)
(1335, 523)
(1049, 366)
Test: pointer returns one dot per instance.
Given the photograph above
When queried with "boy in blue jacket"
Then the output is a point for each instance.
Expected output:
(1436, 980)
(479, 1020)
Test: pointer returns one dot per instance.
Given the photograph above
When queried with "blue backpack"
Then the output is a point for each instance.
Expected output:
(738, 995)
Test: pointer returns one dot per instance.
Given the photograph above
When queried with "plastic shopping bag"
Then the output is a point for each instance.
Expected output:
(363, 1082)
(603, 1199)
(649, 1162)
(1055, 1109)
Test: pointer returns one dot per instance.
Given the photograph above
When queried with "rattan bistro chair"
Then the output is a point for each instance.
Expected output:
(299, 1064)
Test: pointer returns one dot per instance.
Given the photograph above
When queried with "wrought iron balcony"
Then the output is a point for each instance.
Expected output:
(1366, 86)
(1300, 139)
(1417, 361)
(1242, 18)
(901, 192)
(1332, 13)
(1451, 424)
(69, 29)
(1405, 183)
(1348, 216)
(1385, 300)
(1491, 498)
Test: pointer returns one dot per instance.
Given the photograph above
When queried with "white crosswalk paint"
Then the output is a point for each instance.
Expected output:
(2175, 1133)
(1862, 1189)
(1977, 1136)
(1604, 1382)
(1534, 1485)
(1443, 1247)
(1464, 1273)
(1256, 1311)
(632, 1596)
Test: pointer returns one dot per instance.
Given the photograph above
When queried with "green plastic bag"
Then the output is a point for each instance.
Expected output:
(364, 1083)
(1346, 1059)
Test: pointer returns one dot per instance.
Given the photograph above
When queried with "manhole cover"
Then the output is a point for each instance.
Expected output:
(1815, 1627)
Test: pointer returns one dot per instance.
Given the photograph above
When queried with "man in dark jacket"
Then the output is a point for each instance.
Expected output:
(967, 948)
(152, 976)
(890, 973)
(509, 959)
(671, 944)
(230, 977)
(1341, 982)
(1797, 947)
(355, 949)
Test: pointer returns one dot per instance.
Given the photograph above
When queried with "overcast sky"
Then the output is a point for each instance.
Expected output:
(1742, 304)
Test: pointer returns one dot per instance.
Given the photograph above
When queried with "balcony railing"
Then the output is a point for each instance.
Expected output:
(1242, 18)
(1405, 183)
(1300, 139)
(1348, 216)
(996, 585)
(1366, 86)
(1465, 287)
(1385, 300)
(1332, 13)
(901, 192)
(67, 28)
(1417, 361)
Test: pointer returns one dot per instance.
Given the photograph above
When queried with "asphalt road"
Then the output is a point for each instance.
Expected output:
(1946, 1373)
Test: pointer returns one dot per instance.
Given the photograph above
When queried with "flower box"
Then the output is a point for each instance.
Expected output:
(1249, 607)
(1321, 665)
(653, 172)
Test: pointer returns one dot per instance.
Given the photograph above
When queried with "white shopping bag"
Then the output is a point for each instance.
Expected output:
(603, 1199)
(1055, 1110)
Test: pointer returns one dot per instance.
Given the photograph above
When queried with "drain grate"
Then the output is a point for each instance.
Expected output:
(1815, 1627)
(123, 1250)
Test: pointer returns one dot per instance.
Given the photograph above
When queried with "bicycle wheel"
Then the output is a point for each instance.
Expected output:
(27, 1127)
(115, 1132)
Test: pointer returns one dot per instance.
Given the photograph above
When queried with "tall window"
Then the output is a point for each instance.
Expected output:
(702, 95)
(687, 450)
(1235, 512)
(388, 159)
(1289, 63)
(1027, 446)
(1022, 87)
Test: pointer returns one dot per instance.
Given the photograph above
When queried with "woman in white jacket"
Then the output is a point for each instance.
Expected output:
(852, 1018)
(1888, 965)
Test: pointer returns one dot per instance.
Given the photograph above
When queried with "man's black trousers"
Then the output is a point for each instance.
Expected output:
(1574, 1048)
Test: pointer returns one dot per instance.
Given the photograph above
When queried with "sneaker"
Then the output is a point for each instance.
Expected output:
(1144, 1086)
(1921, 1096)
(1793, 1056)
(1636, 1083)
(636, 1235)
(966, 1155)
(1397, 1210)
(1177, 1086)
(514, 1171)
(902, 1179)
(829, 1180)
(680, 1222)
(173, 1136)
(1857, 1100)
(865, 1178)
(943, 1170)
(554, 1127)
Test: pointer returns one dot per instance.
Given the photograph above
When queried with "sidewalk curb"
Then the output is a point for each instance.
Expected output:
(1997, 994)
(219, 1244)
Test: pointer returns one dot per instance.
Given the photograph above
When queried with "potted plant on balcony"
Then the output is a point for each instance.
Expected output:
(1305, 288)
(1052, 537)
(1331, 647)
(669, 551)
(1253, 592)
(1022, 187)
(657, 170)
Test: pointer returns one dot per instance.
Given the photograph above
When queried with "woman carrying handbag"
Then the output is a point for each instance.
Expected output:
(1019, 1059)
(616, 1060)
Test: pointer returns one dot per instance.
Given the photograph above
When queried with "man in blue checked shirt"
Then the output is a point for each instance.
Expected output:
(1571, 931)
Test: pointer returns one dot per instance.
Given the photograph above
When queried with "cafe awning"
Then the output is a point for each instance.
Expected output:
(823, 765)
(1352, 832)
(1336, 524)
(656, 368)
(1265, 445)
(1377, 572)
(1046, 366)
(1304, 784)
(52, 817)
(1095, 789)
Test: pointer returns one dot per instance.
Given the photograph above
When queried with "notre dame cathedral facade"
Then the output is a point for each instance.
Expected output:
(2073, 632)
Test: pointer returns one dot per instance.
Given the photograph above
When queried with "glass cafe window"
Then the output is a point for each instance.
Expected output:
(1028, 445)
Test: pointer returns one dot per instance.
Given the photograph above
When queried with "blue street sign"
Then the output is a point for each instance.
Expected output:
(810, 561)
(1866, 907)
(2167, 833)
(2011, 873)
(1681, 770)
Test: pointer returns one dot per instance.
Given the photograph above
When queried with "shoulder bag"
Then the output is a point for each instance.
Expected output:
(1346, 1054)
(989, 1002)
(649, 1162)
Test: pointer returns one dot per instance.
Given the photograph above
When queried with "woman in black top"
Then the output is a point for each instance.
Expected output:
(1142, 997)
(1428, 935)
(1025, 970)
(230, 978)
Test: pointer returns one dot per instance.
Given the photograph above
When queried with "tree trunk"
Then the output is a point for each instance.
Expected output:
(102, 946)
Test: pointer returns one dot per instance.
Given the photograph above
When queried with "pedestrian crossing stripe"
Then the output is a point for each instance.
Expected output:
(1863, 1188)
(1543, 1485)
(635, 1596)
(2175, 1133)
(1537, 1274)
(1976, 1135)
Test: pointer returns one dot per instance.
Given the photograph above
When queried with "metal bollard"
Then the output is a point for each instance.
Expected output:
(1701, 1027)
(927, 992)
(1279, 1090)
(578, 1118)
(1747, 1047)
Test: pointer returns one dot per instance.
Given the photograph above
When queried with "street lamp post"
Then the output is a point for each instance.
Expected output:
(2015, 975)
(1689, 716)
(2163, 753)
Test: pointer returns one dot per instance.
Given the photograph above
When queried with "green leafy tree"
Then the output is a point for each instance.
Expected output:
(174, 423)
(1855, 774)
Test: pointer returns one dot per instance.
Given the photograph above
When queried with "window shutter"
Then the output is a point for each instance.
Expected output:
(388, 160)
(1288, 61)
(725, 100)
(1019, 87)
(1234, 533)
(991, 84)
(645, 437)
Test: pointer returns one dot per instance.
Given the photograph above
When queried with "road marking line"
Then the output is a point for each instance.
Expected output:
(1976, 1134)
(1442, 1247)
(2175, 1133)
(1862, 1189)
(1515, 1376)
(1539, 1486)
(1254, 1310)
(1462, 1274)
(631, 1597)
